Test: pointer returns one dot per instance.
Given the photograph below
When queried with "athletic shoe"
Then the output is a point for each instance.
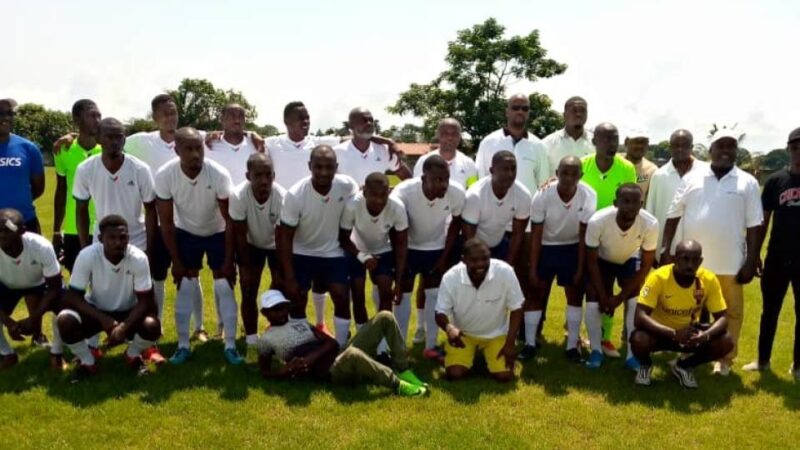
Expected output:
(233, 357)
(57, 363)
(410, 377)
(324, 328)
(527, 352)
(406, 389)
(685, 376)
(7, 361)
(795, 372)
(632, 363)
(609, 349)
(419, 336)
(40, 341)
(433, 354)
(200, 335)
(722, 369)
(755, 366)
(595, 360)
(574, 355)
(137, 364)
(180, 356)
(97, 352)
(82, 372)
(643, 375)
(153, 355)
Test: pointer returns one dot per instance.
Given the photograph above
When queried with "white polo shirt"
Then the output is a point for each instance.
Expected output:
(358, 165)
(560, 144)
(617, 246)
(316, 217)
(533, 167)
(716, 213)
(195, 201)
(663, 184)
(111, 287)
(261, 218)
(428, 219)
(480, 312)
(36, 262)
(562, 220)
(123, 193)
(371, 233)
(492, 215)
(463, 170)
(291, 158)
(151, 149)
(232, 157)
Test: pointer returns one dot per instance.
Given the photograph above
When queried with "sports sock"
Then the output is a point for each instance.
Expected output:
(196, 301)
(341, 329)
(228, 310)
(531, 319)
(57, 345)
(81, 350)
(420, 320)
(138, 345)
(630, 315)
(184, 303)
(431, 329)
(574, 314)
(158, 293)
(319, 306)
(594, 325)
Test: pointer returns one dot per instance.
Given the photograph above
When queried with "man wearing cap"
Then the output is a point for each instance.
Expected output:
(781, 200)
(305, 351)
(636, 144)
(574, 139)
(720, 207)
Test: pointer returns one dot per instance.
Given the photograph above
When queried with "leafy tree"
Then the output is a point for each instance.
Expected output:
(41, 125)
(136, 125)
(482, 64)
(408, 133)
(200, 103)
(775, 159)
(266, 130)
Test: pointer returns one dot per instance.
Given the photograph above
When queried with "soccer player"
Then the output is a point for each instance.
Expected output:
(307, 352)
(636, 144)
(255, 209)
(28, 269)
(480, 308)
(463, 169)
(574, 139)
(560, 213)
(192, 204)
(308, 243)
(110, 290)
(234, 146)
(621, 245)
(668, 317)
(434, 206)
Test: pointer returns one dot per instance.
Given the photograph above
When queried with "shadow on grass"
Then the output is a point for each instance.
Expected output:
(786, 389)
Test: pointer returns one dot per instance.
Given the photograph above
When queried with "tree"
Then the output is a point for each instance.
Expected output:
(775, 159)
(408, 133)
(136, 125)
(482, 64)
(659, 153)
(42, 126)
(200, 104)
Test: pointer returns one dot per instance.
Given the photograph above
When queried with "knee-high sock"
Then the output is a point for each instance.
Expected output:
(594, 323)
(608, 326)
(57, 345)
(341, 327)
(184, 303)
(574, 314)
(197, 303)
(229, 311)
(532, 319)
(431, 329)
(138, 345)
(81, 350)
(158, 293)
(319, 306)
(5, 347)
(630, 315)
(218, 310)
(402, 313)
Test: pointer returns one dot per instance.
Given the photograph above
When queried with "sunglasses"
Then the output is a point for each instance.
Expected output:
(520, 108)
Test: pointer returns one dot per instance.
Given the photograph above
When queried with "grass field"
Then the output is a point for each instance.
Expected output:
(205, 403)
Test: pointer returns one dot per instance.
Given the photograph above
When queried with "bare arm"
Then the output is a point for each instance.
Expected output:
(347, 243)
(670, 226)
(642, 320)
(150, 225)
(37, 185)
(59, 203)
(517, 235)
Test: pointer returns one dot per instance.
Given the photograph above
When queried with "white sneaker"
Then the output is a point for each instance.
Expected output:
(755, 366)
(685, 376)
(722, 369)
(419, 336)
(643, 376)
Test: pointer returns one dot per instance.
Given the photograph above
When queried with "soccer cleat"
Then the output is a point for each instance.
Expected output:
(595, 360)
(433, 354)
(410, 377)
(643, 375)
(57, 363)
(180, 356)
(419, 336)
(685, 376)
(609, 349)
(82, 372)
(200, 335)
(574, 355)
(153, 355)
(7, 361)
(406, 389)
(632, 363)
(527, 352)
(755, 366)
(40, 341)
(323, 328)
(722, 369)
(233, 357)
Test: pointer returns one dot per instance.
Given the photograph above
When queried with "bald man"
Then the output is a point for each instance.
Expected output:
(572, 140)
(463, 170)
(234, 146)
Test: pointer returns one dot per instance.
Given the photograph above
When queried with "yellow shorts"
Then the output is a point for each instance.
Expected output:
(466, 356)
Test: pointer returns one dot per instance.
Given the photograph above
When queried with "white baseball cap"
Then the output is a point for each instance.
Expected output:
(725, 133)
(272, 298)
(637, 133)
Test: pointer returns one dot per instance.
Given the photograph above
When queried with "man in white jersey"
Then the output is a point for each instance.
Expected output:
(192, 206)
(463, 169)
(308, 244)
(233, 148)
(29, 269)
(621, 245)
(559, 214)
(434, 206)
(110, 290)
(255, 209)
(572, 140)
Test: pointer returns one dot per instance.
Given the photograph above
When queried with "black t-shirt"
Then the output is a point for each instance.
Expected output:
(781, 195)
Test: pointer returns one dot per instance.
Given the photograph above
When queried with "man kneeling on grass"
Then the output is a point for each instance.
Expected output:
(306, 351)
(668, 312)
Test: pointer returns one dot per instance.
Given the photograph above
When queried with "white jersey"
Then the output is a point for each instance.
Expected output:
(283, 340)
(617, 246)
(316, 217)
(533, 167)
(111, 287)
(232, 157)
(371, 233)
(358, 165)
(151, 149)
(428, 219)
(261, 218)
(463, 170)
(36, 262)
(560, 144)
(291, 158)
(492, 215)
(195, 201)
(561, 220)
(122, 193)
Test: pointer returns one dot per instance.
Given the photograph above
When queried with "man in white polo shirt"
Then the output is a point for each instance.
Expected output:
(29, 269)
(480, 308)
(233, 148)
(308, 244)
(434, 206)
(110, 290)
(255, 209)
(192, 206)
(667, 178)
(621, 245)
(720, 207)
(463, 169)
(574, 139)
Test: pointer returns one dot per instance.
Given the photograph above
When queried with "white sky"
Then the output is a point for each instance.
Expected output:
(653, 64)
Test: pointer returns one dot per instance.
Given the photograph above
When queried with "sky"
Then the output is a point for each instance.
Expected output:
(656, 65)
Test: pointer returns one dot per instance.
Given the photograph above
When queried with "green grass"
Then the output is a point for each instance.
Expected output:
(208, 404)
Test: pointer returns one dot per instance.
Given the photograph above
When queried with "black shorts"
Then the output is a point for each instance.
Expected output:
(358, 271)
(9, 298)
(192, 248)
(159, 258)
(90, 326)
(558, 261)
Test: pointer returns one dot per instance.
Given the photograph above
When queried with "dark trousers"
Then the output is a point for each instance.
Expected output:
(779, 272)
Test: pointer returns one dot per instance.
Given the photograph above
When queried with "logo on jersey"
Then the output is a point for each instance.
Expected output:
(790, 197)
(34, 262)
(374, 220)
(114, 178)
(11, 162)
(500, 203)
(326, 199)
(131, 183)
(116, 269)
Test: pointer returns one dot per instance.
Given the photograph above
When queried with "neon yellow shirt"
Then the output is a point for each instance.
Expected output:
(66, 163)
(606, 184)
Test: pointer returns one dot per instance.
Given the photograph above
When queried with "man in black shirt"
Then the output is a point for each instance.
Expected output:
(781, 198)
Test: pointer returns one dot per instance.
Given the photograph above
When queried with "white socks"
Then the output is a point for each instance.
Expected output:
(81, 350)
(402, 313)
(184, 304)
(532, 319)
(227, 310)
(94, 341)
(138, 345)
(197, 301)
(630, 315)
(5, 347)
(57, 345)
(319, 306)
(594, 323)
(431, 329)
(158, 293)
(251, 340)
(341, 329)
(574, 314)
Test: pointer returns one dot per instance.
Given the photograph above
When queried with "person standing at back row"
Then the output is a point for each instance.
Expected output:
(636, 144)
(572, 140)
(463, 170)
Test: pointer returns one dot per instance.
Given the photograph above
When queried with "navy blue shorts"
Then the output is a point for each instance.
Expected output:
(325, 270)
(619, 271)
(421, 262)
(385, 266)
(9, 298)
(558, 261)
(500, 251)
(261, 256)
(159, 258)
(191, 249)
